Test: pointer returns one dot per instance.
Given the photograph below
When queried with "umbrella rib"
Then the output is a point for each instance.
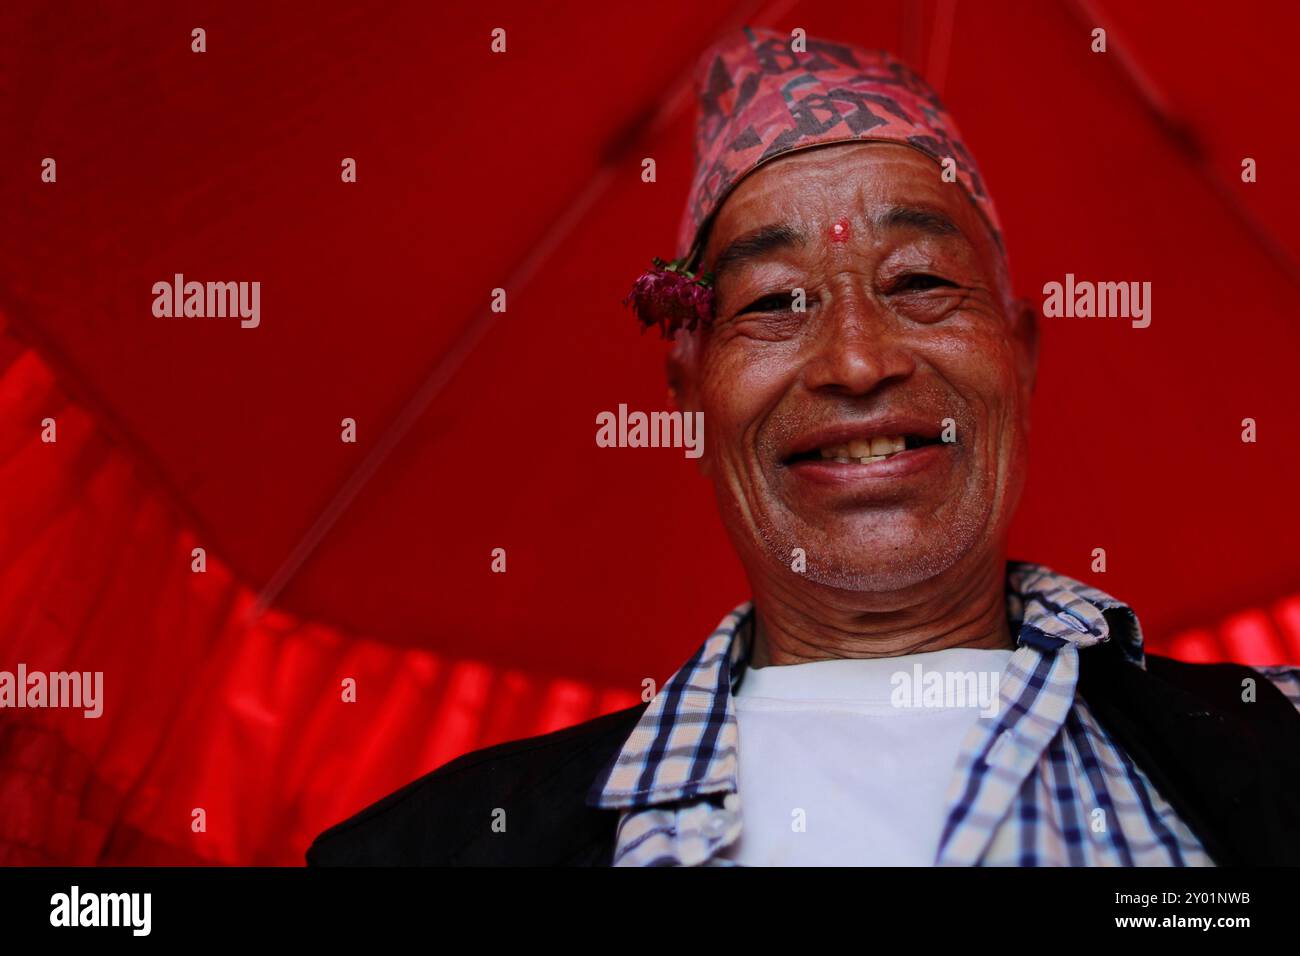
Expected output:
(910, 32)
(1181, 133)
(936, 67)
(483, 321)
(433, 383)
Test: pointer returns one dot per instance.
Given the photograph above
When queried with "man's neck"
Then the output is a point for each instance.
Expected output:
(797, 625)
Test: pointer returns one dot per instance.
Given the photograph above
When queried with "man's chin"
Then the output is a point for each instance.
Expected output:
(903, 572)
(869, 560)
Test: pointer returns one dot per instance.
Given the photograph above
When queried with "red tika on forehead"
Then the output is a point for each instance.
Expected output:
(758, 100)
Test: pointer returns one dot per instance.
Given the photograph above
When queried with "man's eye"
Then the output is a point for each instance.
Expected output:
(777, 302)
(920, 281)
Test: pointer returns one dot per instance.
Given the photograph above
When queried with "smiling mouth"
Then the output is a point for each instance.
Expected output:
(864, 451)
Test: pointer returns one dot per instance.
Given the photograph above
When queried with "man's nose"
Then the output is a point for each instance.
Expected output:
(858, 345)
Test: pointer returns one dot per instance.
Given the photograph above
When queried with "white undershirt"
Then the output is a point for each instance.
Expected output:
(870, 776)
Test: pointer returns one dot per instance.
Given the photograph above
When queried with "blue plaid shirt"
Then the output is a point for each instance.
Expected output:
(1040, 784)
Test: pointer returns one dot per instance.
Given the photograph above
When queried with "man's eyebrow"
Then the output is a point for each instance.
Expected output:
(918, 217)
(756, 244)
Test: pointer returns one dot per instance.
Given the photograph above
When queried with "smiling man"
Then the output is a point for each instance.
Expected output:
(897, 692)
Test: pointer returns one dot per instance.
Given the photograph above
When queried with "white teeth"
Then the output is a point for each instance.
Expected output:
(864, 450)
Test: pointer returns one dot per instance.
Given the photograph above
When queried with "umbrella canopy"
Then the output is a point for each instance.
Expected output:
(521, 171)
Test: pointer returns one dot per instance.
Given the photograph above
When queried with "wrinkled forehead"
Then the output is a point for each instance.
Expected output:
(851, 194)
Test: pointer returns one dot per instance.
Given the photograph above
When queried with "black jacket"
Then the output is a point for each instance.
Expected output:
(1230, 769)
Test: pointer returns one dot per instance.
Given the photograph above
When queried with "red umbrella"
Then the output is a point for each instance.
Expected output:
(476, 171)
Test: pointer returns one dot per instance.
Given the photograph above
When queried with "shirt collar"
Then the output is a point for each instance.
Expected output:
(685, 744)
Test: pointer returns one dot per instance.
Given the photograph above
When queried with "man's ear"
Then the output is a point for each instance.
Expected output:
(1024, 324)
(682, 367)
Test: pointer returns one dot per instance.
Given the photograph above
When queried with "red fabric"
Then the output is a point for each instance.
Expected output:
(522, 171)
(203, 709)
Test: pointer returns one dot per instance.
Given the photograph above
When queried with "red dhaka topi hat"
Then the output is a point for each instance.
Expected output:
(760, 98)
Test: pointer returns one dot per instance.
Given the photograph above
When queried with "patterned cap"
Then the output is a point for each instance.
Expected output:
(759, 100)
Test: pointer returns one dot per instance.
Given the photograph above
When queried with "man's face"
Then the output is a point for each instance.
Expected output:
(824, 427)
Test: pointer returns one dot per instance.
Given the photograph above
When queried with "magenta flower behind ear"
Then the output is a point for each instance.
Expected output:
(671, 297)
